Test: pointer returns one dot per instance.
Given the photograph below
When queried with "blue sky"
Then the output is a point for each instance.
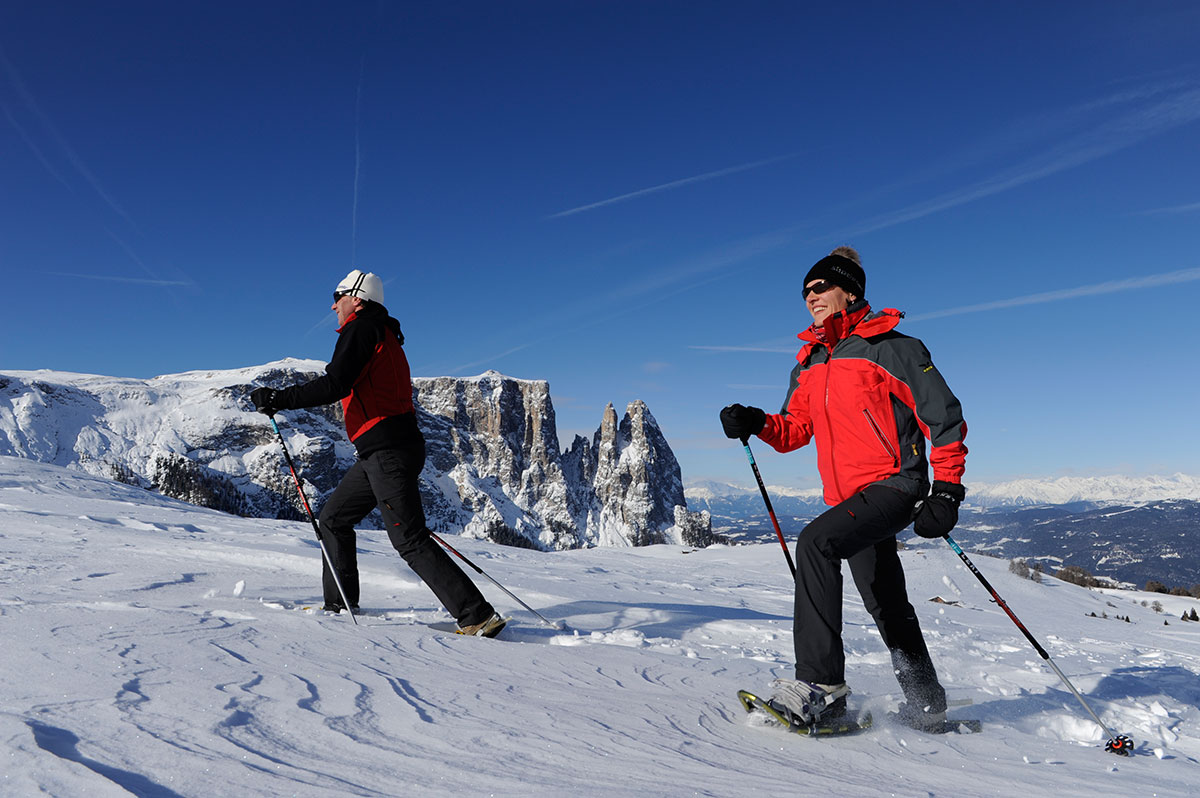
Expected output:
(623, 199)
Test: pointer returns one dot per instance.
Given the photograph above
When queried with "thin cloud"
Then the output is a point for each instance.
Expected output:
(1189, 208)
(1136, 125)
(623, 301)
(697, 271)
(1111, 287)
(37, 151)
(770, 349)
(32, 108)
(330, 318)
(116, 279)
(673, 184)
(362, 67)
(476, 363)
(15, 79)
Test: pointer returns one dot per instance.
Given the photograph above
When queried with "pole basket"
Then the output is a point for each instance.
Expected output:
(1121, 745)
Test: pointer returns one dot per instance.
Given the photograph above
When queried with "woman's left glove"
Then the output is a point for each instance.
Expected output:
(938, 514)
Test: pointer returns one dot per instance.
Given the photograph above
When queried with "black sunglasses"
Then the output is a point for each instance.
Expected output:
(819, 287)
(338, 295)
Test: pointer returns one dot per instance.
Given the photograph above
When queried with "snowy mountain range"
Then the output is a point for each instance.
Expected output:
(493, 471)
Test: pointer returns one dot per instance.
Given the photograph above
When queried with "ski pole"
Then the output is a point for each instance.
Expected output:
(559, 625)
(1119, 744)
(770, 510)
(316, 527)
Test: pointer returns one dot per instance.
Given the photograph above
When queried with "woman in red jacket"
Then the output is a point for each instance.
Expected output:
(870, 397)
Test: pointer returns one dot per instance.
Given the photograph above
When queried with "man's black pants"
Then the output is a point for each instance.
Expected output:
(389, 479)
(861, 530)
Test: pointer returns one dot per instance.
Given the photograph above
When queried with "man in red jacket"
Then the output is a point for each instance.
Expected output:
(870, 397)
(369, 374)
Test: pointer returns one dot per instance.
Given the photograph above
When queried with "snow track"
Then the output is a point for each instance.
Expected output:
(156, 649)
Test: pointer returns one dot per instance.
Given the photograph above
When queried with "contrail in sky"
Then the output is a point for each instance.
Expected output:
(476, 363)
(770, 349)
(15, 79)
(113, 279)
(31, 105)
(1137, 125)
(37, 151)
(362, 65)
(673, 184)
(330, 319)
(1111, 287)
(1190, 208)
(694, 273)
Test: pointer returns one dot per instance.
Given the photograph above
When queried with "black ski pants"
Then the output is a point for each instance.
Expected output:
(861, 530)
(389, 479)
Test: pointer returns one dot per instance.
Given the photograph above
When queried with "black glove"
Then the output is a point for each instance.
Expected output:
(265, 400)
(742, 422)
(938, 514)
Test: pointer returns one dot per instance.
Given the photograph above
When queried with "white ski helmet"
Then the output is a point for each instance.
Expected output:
(363, 285)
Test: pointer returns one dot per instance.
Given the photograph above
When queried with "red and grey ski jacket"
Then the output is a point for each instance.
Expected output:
(870, 397)
(369, 373)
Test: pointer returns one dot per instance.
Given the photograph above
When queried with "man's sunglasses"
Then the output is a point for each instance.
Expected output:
(338, 295)
(819, 287)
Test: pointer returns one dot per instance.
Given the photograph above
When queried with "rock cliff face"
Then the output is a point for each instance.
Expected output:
(493, 469)
(628, 478)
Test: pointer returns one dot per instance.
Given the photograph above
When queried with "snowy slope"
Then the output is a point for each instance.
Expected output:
(148, 651)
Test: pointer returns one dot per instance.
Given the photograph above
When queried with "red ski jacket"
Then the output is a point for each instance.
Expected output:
(369, 373)
(383, 388)
(870, 397)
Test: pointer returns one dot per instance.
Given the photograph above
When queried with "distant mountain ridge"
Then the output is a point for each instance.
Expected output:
(1019, 493)
(493, 471)
(1129, 529)
(1095, 490)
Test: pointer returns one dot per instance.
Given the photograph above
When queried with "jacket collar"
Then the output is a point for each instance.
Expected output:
(374, 310)
(858, 319)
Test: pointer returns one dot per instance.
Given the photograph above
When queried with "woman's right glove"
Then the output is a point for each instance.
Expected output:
(938, 514)
(265, 400)
(742, 422)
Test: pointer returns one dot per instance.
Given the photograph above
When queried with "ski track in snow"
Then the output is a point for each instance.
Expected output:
(156, 649)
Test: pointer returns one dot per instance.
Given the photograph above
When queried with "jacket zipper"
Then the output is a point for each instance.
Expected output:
(883, 440)
(829, 425)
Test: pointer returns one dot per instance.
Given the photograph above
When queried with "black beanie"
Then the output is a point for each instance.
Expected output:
(842, 272)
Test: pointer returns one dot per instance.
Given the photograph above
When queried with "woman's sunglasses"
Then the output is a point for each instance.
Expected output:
(819, 287)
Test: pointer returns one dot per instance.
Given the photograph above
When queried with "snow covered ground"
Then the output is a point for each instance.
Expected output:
(147, 648)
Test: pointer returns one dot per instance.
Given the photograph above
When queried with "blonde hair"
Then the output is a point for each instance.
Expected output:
(847, 252)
